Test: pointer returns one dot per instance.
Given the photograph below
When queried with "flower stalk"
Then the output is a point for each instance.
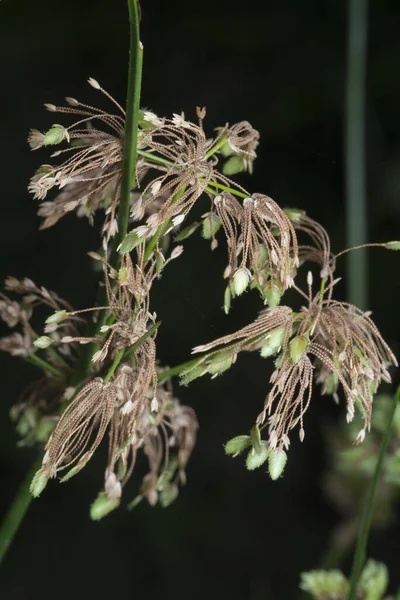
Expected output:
(360, 554)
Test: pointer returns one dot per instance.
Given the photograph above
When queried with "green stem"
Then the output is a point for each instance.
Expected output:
(158, 160)
(356, 208)
(160, 231)
(177, 369)
(217, 146)
(15, 515)
(131, 123)
(361, 547)
(43, 364)
(124, 353)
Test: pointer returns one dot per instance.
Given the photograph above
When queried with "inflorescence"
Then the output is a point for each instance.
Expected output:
(126, 393)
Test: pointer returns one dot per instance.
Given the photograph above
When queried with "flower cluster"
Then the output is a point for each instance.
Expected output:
(124, 392)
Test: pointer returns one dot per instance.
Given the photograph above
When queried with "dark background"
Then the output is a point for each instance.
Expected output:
(280, 65)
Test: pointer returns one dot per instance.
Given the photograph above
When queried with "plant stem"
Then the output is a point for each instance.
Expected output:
(15, 515)
(43, 364)
(361, 547)
(217, 146)
(158, 160)
(356, 209)
(21, 503)
(131, 123)
(177, 369)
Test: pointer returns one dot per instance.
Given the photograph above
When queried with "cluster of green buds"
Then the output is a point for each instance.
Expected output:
(258, 452)
(332, 584)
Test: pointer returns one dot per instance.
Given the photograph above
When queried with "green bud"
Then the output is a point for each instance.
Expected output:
(255, 437)
(295, 214)
(262, 255)
(272, 293)
(55, 135)
(57, 317)
(168, 494)
(226, 150)
(187, 231)
(102, 506)
(273, 342)
(193, 373)
(297, 348)
(237, 445)
(123, 274)
(227, 300)
(43, 342)
(130, 241)
(256, 459)
(72, 472)
(44, 428)
(241, 280)
(324, 584)
(392, 245)
(211, 224)
(38, 483)
(220, 362)
(135, 502)
(276, 463)
(374, 580)
(233, 166)
(160, 262)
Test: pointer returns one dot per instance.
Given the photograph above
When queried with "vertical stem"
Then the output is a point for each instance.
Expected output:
(361, 547)
(15, 515)
(23, 498)
(356, 209)
(131, 122)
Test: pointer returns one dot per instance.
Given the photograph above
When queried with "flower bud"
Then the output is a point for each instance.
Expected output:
(297, 348)
(123, 274)
(102, 506)
(273, 342)
(393, 245)
(168, 494)
(220, 362)
(211, 225)
(276, 463)
(241, 280)
(295, 214)
(187, 231)
(227, 299)
(38, 483)
(272, 293)
(55, 135)
(57, 317)
(233, 166)
(237, 445)
(130, 241)
(43, 342)
(256, 459)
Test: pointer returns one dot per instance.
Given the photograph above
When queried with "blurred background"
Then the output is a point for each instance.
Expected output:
(280, 65)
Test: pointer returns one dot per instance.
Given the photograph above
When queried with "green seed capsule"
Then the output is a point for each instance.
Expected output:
(297, 348)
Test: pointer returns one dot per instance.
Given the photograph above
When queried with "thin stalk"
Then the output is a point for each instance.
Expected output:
(153, 242)
(177, 369)
(15, 515)
(23, 498)
(217, 146)
(158, 160)
(356, 208)
(360, 554)
(43, 364)
(131, 123)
